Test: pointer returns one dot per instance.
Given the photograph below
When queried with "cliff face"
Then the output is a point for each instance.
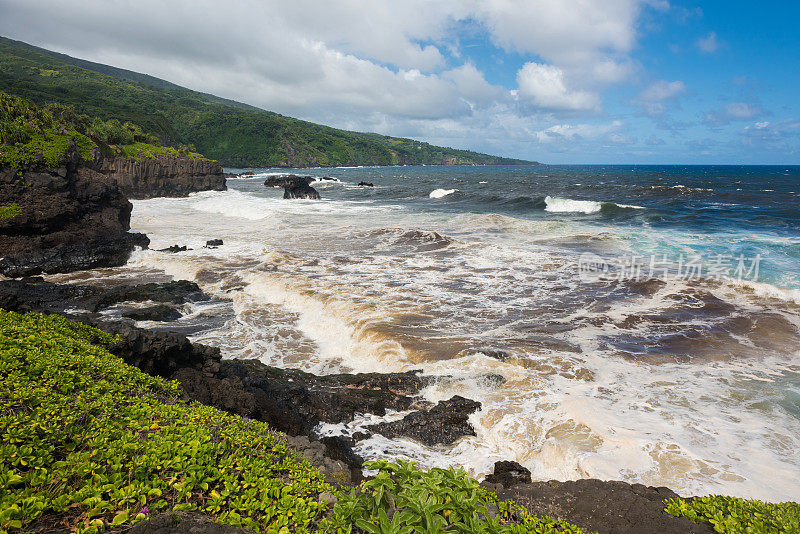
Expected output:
(162, 176)
(66, 218)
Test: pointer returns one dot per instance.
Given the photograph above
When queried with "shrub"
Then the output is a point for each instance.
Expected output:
(402, 499)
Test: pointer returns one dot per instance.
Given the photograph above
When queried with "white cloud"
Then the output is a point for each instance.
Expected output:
(662, 90)
(544, 86)
(708, 44)
(388, 66)
(653, 98)
(562, 31)
(735, 111)
(780, 135)
(569, 132)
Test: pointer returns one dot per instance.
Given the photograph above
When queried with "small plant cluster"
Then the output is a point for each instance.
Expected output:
(30, 133)
(11, 210)
(733, 515)
(402, 499)
(88, 442)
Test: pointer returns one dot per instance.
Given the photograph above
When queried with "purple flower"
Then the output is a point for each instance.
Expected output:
(144, 511)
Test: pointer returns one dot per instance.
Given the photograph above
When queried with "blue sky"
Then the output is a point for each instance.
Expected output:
(559, 81)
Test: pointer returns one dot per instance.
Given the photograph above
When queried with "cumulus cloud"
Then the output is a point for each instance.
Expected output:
(735, 111)
(780, 135)
(393, 67)
(569, 132)
(544, 86)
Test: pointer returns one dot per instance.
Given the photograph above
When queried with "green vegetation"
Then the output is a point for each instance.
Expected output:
(12, 210)
(88, 442)
(732, 515)
(401, 499)
(140, 150)
(234, 134)
(30, 133)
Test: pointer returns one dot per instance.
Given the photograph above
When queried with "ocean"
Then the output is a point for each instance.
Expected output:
(639, 323)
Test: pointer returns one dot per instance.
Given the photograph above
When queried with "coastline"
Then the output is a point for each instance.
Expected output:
(285, 398)
(299, 402)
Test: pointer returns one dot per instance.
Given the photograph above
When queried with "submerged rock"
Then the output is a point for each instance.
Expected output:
(366, 184)
(174, 249)
(299, 188)
(443, 424)
(175, 292)
(424, 240)
(214, 243)
(160, 312)
(38, 295)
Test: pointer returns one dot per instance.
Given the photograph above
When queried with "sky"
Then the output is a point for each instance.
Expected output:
(558, 81)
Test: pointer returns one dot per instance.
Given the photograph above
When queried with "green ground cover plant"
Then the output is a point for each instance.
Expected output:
(733, 515)
(402, 499)
(88, 442)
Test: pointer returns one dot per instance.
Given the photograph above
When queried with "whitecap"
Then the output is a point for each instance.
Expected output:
(439, 193)
(567, 205)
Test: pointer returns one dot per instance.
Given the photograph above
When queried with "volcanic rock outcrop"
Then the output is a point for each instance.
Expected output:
(66, 218)
(161, 175)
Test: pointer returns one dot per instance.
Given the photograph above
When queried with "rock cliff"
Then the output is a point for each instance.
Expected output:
(65, 218)
(161, 176)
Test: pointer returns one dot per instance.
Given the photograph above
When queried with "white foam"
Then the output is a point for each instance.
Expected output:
(567, 205)
(763, 289)
(699, 427)
(440, 193)
(336, 326)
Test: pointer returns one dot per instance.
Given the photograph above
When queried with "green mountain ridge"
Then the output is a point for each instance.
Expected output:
(235, 134)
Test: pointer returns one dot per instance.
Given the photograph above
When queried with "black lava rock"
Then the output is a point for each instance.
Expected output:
(160, 312)
(299, 188)
(509, 474)
(443, 424)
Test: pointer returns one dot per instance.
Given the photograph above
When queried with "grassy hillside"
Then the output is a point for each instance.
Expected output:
(31, 134)
(235, 134)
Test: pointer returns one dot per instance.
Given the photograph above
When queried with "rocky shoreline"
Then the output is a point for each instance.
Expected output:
(161, 175)
(296, 402)
(77, 217)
